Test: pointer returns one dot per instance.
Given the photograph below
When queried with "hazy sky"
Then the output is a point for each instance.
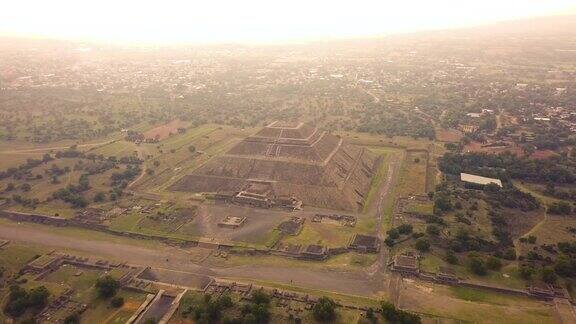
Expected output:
(254, 20)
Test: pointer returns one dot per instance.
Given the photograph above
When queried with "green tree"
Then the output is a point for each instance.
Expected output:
(17, 301)
(548, 275)
(324, 310)
(526, 272)
(260, 297)
(422, 245)
(99, 197)
(404, 229)
(38, 297)
(451, 257)
(72, 318)
(107, 286)
(432, 230)
(117, 302)
(477, 266)
(493, 263)
(261, 312)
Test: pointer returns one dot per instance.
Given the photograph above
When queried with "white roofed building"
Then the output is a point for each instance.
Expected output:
(479, 180)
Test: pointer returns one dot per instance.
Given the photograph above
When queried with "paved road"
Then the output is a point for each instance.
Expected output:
(179, 259)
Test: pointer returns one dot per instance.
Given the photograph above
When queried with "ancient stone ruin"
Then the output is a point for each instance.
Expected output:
(284, 164)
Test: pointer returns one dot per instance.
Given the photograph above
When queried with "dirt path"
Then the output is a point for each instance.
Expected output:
(182, 260)
(52, 148)
(385, 192)
(565, 311)
(374, 97)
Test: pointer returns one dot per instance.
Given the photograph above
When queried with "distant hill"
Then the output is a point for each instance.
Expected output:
(561, 24)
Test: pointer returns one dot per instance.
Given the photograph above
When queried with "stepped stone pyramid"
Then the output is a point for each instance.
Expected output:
(287, 159)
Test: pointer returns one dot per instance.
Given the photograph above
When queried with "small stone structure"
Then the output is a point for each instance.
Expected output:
(315, 252)
(406, 264)
(258, 194)
(401, 215)
(542, 291)
(446, 275)
(232, 222)
(344, 220)
(91, 216)
(365, 243)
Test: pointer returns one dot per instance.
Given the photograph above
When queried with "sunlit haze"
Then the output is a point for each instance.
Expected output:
(172, 21)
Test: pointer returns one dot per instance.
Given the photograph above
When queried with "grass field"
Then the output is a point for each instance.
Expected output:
(83, 233)
(100, 310)
(365, 139)
(118, 149)
(420, 208)
(554, 229)
(171, 159)
(413, 176)
(508, 276)
(347, 299)
(15, 255)
(161, 219)
(342, 262)
(485, 296)
(53, 208)
(330, 235)
(534, 191)
(13, 160)
(380, 175)
(474, 306)
(82, 280)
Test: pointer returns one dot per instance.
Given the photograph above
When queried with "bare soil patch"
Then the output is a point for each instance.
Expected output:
(448, 135)
(163, 131)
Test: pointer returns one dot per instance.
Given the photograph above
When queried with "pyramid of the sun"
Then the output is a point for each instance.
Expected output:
(293, 160)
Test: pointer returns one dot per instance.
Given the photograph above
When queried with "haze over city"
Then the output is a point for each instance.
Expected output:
(254, 21)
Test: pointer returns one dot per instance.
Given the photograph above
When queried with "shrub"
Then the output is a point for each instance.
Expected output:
(422, 245)
(393, 234)
(393, 315)
(451, 257)
(260, 297)
(389, 242)
(548, 275)
(560, 208)
(117, 302)
(493, 263)
(477, 266)
(107, 286)
(73, 318)
(404, 229)
(20, 300)
(325, 310)
(510, 254)
(432, 230)
(526, 272)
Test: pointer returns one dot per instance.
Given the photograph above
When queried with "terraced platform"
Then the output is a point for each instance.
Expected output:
(296, 160)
